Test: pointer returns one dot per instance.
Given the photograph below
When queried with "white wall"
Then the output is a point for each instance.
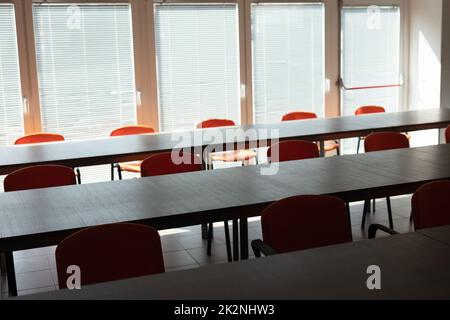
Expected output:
(425, 42)
(445, 88)
(425, 54)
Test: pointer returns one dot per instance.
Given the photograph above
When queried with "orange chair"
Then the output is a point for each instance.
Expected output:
(39, 138)
(447, 134)
(134, 167)
(303, 222)
(44, 137)
(365, 110)
(380, 142)
(296, 116)
(38, 177)
(162, 164)
(292, 150)
(230, 156)
(430, 208)
(110, 252)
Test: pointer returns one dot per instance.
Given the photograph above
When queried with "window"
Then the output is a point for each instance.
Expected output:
(288, 60)
(11, 111)
(371, 57)
(197, 50)
(85, 68)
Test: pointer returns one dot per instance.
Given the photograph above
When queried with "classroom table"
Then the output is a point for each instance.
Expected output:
(44, 217)
(412, 266)
(130, 148)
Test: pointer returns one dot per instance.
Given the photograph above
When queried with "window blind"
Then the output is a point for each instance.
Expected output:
(198, 64)
(11, 111)
(288, 60)
(85, 68)
(371, 56)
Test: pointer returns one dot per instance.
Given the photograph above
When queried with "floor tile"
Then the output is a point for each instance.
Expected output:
(33, 280)
(178, 259)
(188, 267)
(38, 263)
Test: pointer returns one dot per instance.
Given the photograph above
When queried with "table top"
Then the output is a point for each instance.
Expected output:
(413, 266)
(44, 217)
(441, 234)
(128, 148)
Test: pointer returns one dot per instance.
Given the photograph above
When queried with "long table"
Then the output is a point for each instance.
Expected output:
(121, 149)
(38, 218)
(413, 266)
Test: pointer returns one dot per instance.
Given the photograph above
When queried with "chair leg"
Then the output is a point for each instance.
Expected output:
(227, 241)
(235, 240)
(365, 210)
(119, 172)
(210, 237)
(77, 170)
(411, 217)
(2, 263)
(359, 145)
(347, 204)
(374, 206)
(391, 222)
(338, 151)
(112, 171)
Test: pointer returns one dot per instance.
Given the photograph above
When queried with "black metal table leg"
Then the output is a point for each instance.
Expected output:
(235, 240)
(11, 274)
(204, 231)
(243, 224)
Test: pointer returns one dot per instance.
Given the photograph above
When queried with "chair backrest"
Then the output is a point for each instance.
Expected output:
(293, 116)
(431, 205)
(215, 123)
(369, 110)
(170, 163)
(447, 134)
(385, 141)
(292, 150)
(305, 222)
(39, 138)
(110, 252)
(37, 177)
(131, 130)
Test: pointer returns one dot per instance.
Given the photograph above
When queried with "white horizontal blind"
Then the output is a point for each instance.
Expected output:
(198, 64)
(371, 56)
(11, 111)
(288, 52)
(85, 67)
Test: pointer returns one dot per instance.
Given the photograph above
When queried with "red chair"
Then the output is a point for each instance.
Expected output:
(303, 222)
(430, 208)
(379, 142)
(292, 150)
(243, 156)
(162, 164)
(38, 177)
(431, 205)
(44, 137)
(296, 116)
(365, 111)
(447, 134)
(134, 167)
(110, 252)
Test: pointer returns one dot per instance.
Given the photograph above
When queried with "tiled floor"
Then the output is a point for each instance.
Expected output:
(184, 249)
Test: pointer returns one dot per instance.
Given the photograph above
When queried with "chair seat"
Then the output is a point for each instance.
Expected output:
(234, 156)
(331, 145)
(131, 166)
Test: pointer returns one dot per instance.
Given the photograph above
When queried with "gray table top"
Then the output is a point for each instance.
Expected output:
(413, 266)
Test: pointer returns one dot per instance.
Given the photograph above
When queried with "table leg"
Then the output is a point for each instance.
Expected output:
(322, 148)
(204, 231)
(243, 224)
(11, 274)
(235, 240)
